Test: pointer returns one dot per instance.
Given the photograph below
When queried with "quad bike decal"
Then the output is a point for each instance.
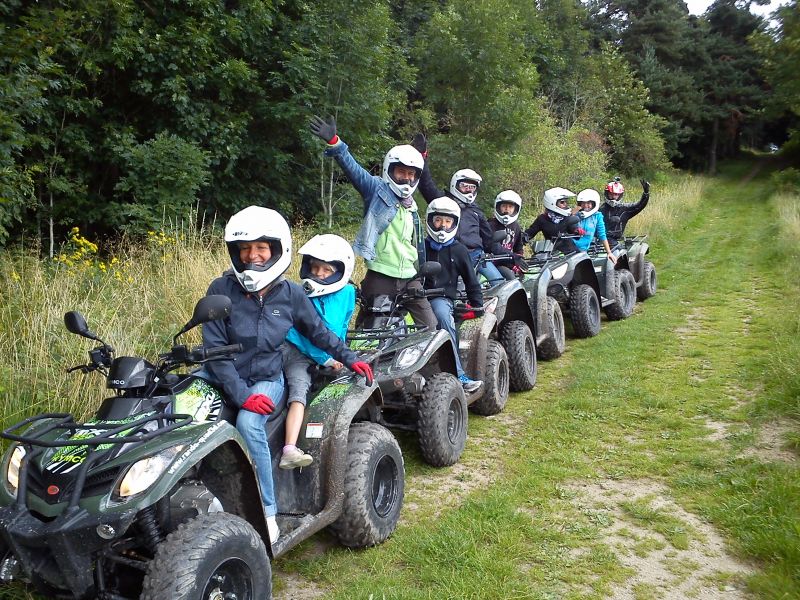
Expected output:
(200, 400)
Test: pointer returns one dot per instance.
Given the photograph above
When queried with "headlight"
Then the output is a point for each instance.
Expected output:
(491, 305)
(144, 473)
(407, 357)
(560, 271)
(12, 475)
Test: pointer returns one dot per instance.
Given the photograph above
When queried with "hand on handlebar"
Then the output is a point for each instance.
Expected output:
(364, 370)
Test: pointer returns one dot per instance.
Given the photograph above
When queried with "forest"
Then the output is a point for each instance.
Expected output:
(118, 116)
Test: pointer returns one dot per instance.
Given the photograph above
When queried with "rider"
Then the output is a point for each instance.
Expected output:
(265, 306)
(474, 230)
(391, 238)
(591, 221)
(616, 212)
(326, 267)
(442, 219)
(507, 206)
(556, 219)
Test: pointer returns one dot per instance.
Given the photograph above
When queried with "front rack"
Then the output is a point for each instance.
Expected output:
(96, 444)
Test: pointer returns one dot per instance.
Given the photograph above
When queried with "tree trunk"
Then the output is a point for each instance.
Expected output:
(712, 148)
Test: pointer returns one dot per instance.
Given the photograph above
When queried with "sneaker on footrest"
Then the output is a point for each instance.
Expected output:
(469, 385)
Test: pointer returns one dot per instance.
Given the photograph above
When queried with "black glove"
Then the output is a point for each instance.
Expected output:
(326, 130)
(420, 144)
(645, 185)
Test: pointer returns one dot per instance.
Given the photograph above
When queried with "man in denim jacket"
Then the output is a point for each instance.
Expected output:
(391, 238)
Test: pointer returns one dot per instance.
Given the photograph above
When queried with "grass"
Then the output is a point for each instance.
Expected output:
(616, 423)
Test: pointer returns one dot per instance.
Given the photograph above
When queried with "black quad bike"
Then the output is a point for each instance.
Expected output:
(416, 372)
(616, 281)
(156, 496)
(643, 271)
(570, 279)
(513, 326)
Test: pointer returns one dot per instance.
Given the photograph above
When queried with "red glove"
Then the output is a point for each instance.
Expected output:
(580, 231)
(364, 370)
(472, 313)
(259, 403)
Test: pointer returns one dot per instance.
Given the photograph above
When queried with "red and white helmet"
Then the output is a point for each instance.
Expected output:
(614, 192)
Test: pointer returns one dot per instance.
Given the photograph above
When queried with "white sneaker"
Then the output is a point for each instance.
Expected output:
(272, 528)
(294, 457)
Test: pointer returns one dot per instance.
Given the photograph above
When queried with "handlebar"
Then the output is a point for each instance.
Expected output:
(219, 350)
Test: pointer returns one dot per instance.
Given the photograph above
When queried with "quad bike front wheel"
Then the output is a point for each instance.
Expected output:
(624, 296)
(584, 308)
(520, 346)
(215, 555)
(374, 484)
(555, 341)
(495, 382)
(442, 420)
(649, 281)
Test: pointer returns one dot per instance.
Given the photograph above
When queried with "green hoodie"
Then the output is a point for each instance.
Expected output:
(395, 251)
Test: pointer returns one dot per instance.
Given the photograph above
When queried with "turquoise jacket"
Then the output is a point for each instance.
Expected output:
(335, 310)
(593, 225)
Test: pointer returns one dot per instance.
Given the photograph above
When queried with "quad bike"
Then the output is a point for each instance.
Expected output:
(616, 281)
(513, 326)
(643, 271)
(570, 279)
(416, 372)
(156, 496)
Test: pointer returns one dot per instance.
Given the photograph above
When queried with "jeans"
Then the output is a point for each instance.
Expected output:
(443, 309)
(252, 427)
(488, 269)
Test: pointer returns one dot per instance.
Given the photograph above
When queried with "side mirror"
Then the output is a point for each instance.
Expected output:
(209, 308)
(430, 268)
(76, 324)
(499, 235)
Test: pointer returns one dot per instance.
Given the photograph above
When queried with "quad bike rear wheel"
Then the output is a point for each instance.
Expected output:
(555, 341)
(374, 484)
(649, 281)
(495, 382)
(215, 555)
(442, 420)
(624, 296)
(585, 311)
(520, 346)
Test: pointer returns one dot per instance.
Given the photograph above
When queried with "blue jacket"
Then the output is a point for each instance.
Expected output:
(261, 324)
(380, 204)
(335, 310)
(593, 225)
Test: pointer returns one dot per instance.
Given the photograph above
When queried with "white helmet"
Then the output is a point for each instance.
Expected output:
(331, 249)
(253, 224)
(589, 196)
(511, 197)
(407, 156)
(468, 176)
(553, 195)
(446, 207)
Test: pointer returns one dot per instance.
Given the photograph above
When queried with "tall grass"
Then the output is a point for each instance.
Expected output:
(135, 294)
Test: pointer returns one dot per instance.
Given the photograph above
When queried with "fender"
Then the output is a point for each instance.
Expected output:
(474, 343)
(347, 399)
(539, 302)
(584, 273)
